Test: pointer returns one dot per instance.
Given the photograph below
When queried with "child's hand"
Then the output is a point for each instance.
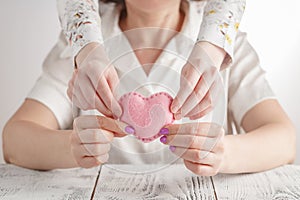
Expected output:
(91, 138)
(200, 82)
(93, 82)
(201, 145)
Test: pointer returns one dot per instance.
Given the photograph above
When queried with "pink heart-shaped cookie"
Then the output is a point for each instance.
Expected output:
(147, 115)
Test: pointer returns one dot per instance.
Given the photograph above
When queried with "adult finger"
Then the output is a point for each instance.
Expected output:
(115, 126)
(197, 156)
(190, 141)
(101, 122)
(199, 128)
(95, 136)
(94, 149)
(200, 169)
(92, 161)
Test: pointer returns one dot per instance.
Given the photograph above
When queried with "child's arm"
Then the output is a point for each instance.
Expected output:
(80, 22)
(212, 52)
(219, 27)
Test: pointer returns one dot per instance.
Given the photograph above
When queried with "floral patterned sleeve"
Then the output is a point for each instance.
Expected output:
(220, 24)
(80, 22)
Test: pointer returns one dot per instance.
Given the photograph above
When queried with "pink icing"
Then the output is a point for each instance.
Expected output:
(147, 115)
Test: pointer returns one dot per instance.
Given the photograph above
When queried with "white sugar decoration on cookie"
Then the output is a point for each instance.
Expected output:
(147, 115)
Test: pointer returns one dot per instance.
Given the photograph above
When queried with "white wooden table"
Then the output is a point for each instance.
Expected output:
(172, 182)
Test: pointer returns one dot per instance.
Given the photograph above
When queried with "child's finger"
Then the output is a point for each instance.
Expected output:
(89, 96)
(210, 99)
(79, 100)
(106, 95)
(99, 105)
(188, 80)
(203, 105)
(200, 92)
(113, 82)
(201, 114)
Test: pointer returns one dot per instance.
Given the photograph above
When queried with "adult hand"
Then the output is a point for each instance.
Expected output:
(93, 82)
(200, 145)
(91, 138)
(200, 83)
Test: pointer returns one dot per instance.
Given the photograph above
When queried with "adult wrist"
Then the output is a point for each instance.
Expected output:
(226, 166)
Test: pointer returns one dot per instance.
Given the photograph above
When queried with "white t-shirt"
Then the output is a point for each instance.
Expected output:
(244, 81)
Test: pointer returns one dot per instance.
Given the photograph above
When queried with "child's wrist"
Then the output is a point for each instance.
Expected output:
(217, 54)
(84, 52)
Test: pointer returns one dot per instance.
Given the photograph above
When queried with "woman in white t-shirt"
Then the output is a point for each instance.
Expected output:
(38, 135)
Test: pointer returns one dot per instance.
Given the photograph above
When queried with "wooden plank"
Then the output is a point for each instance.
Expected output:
(172, 182)
(19, 183)
(279, 183)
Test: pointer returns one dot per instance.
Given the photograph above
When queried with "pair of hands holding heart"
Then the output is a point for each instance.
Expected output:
(91, 88)
(95, 79)
(200, 145)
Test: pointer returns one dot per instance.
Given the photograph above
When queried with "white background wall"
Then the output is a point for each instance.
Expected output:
(29, 30)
